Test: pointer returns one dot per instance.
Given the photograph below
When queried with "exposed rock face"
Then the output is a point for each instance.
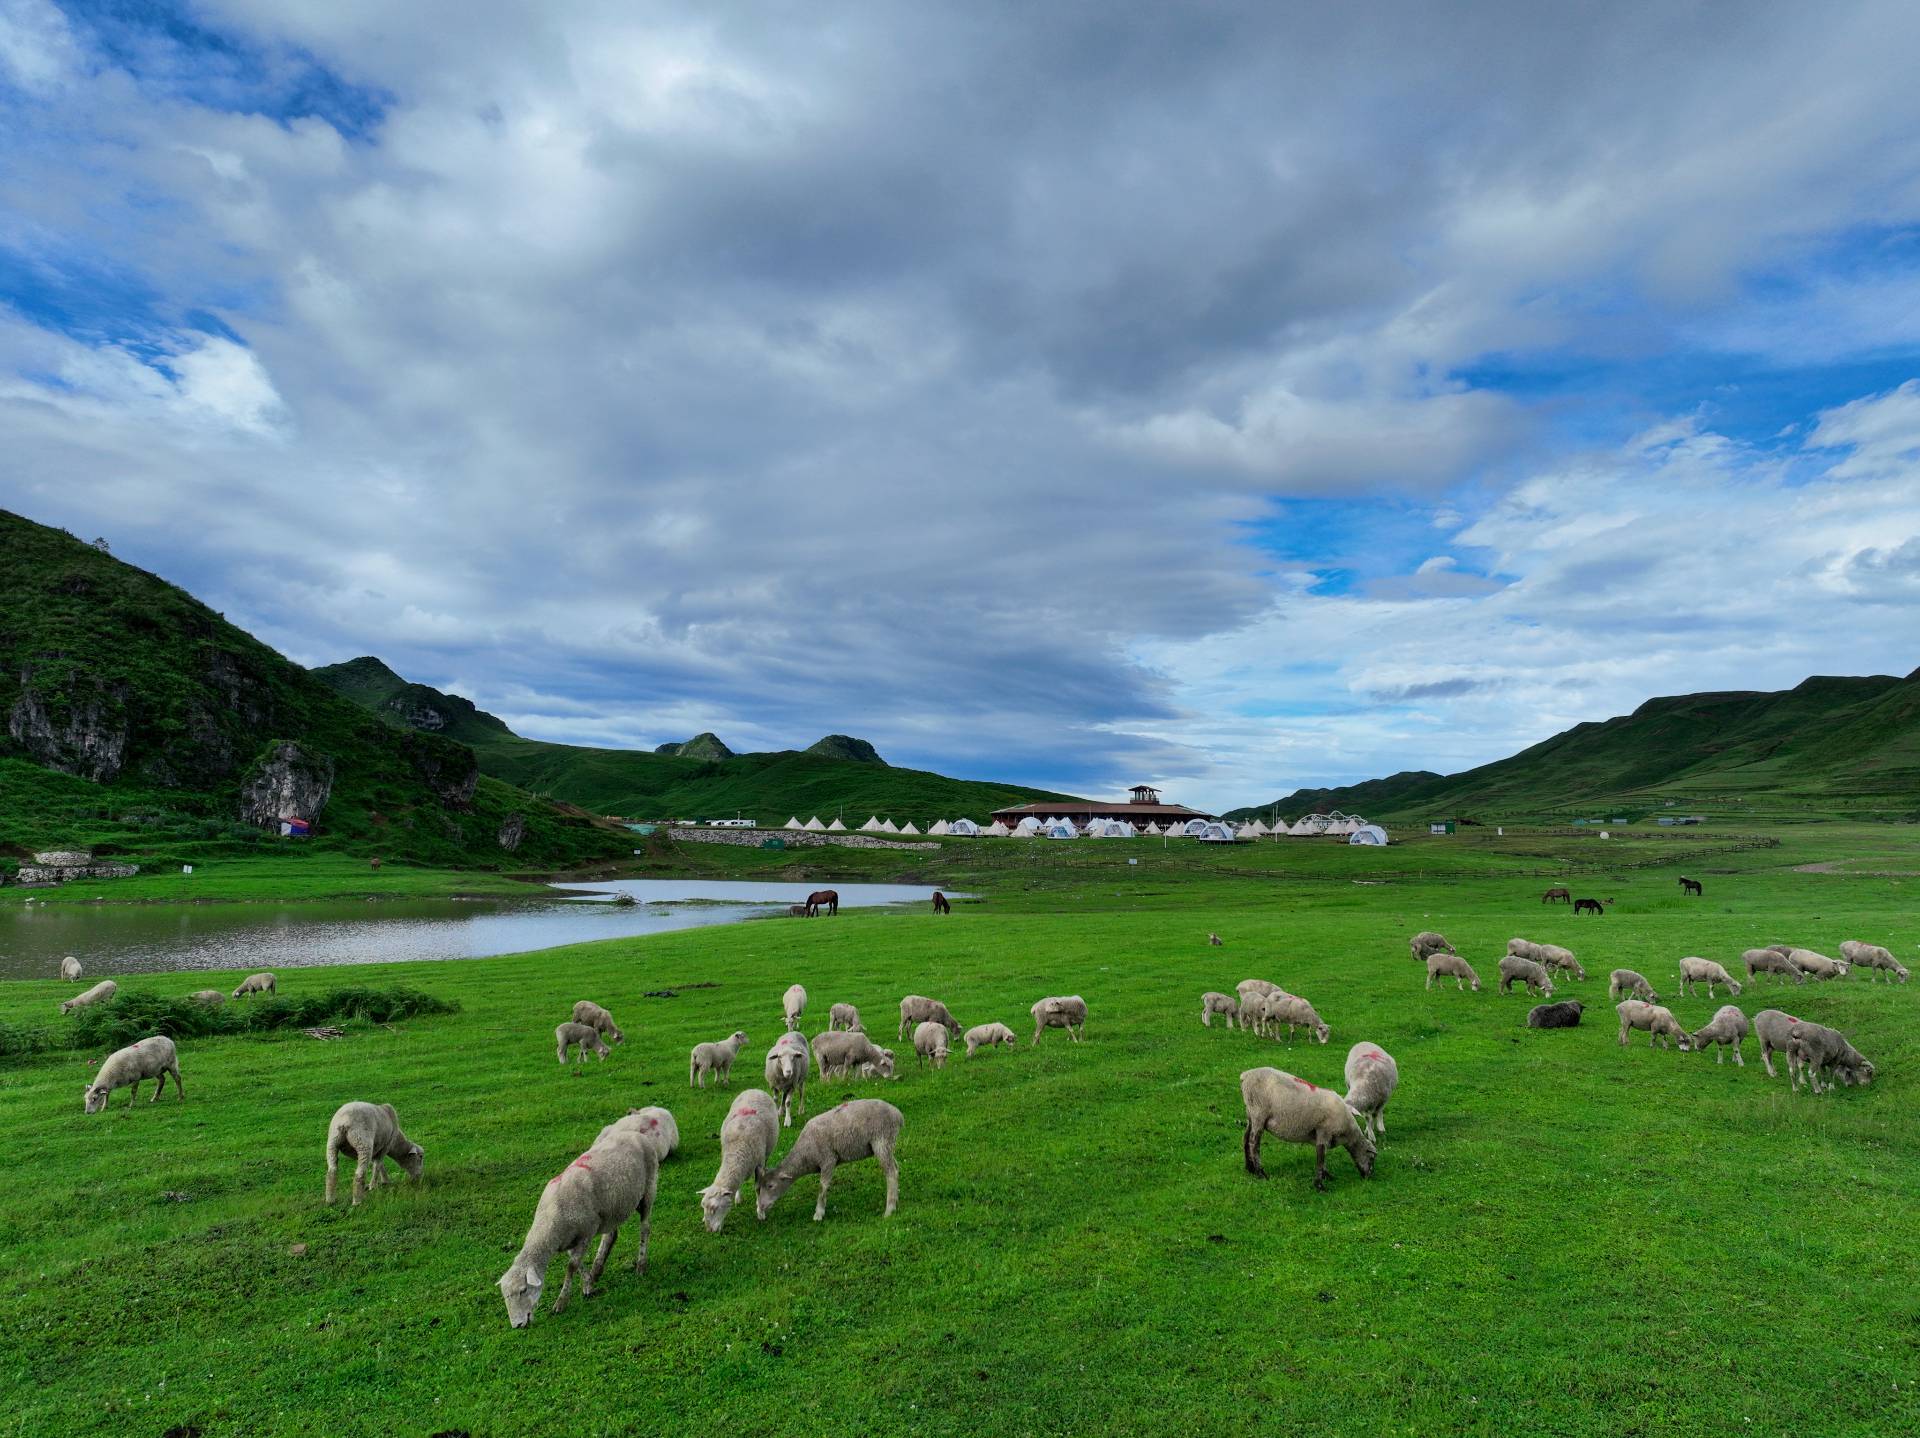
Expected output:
(845, 746)
(61, 866)
(75, 725)
(416, 713)
(286, 780)
(449, 769)
(512, 831)
(700, 746)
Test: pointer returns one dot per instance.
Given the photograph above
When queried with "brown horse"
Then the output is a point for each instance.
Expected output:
(1557, 896)
(1691, 886)
(940, 904)
(826, 898)
(1587, 906)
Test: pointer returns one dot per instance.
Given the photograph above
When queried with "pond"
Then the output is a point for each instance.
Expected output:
(115, 939)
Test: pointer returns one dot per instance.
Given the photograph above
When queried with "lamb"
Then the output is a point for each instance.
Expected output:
(1451, 966)
(1812, 1048)
(1372, 1076)
(747, 1141)
(1871, 957)
(1626, 981)
(1426, 944)
(1728, 1027)
(786, 1073)
(70, 968)
(655, 1124)
(1296, 1012)
(1516, 970)
(1552, 958)
(1660, 1024)
(1771, 961)
(930, 1043)
(857, 1129)
(582, 1037)
(794, 1004)
(595, 1194)
(1819, 965)
(1295, 1111)
(845, 1016)
(1247, 988)
(370, 1132)
(256, 984)
(1705, 971)
(1773, 1027)
(150, 1058)
(716, 1059)
(915, 1009)
(1213, 941)
(1254, 994)
(988, 1036)
(1067, 1012)
(212, 998)
(599, 1020)
(843, 1051)
(1212, 1003)
(100, 993)
(1563, 1015)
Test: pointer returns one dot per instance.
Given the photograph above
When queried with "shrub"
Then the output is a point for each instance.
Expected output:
(17, 1040)
(134, 1016)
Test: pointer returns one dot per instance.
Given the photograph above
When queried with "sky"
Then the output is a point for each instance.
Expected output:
(1228, 397)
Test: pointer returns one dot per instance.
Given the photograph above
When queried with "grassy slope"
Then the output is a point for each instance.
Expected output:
(1562, 1236)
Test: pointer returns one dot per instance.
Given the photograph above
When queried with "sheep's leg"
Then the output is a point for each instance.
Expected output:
(1251, 1146)
(1766, 1057)
(159, 1086)
(826, 1181)
(607, 1240)
(179, 1089)
(574, 1255)
(1429, 980)
(359, 1177)
(1036, 1035)
(1737, 1058)
(1380, 1117)
(333, 1168)
(135, 1094)
(1320, 1164)
(891, 1167)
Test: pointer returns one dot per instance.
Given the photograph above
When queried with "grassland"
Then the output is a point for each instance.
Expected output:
(1561, 1236)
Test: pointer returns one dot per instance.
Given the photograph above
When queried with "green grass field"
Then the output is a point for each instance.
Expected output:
(1561, 1236)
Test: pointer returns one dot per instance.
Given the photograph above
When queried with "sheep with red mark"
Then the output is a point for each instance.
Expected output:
(1295, 1111)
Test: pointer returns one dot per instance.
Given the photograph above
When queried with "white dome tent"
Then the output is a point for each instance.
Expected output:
(1212, 831)
(1195, 828)
(967, 829)
(1061, 829)
(1368, 834)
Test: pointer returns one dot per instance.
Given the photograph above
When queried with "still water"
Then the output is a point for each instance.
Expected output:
(161, 938)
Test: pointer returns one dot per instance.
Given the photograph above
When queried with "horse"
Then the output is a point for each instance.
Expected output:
(1691, 886)
(940, 904)
(1587, 906)
(1557, 896)
(821, 897)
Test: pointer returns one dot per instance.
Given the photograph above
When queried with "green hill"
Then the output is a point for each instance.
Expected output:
(837, 776)
(139, 722)
(701, 746)
(1828, 745)
(1371, 796)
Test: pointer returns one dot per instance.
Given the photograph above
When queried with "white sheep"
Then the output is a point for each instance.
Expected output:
(1249, 988)
(930, 1043)
(1657, 1023)
(1531, 976)
(212, 998)
(1062, 1011)
(594, 1195)
(1295, 1012)
(1295, 1111)
(150, 1058)
(845, 1051)
(1550, 957)
(1627, 981)
(918, 1009)
(1448, 965)
(256, 984)
(747, 1140)
(655, 1124)
(793, 1004)
(860, 1128)
(599, 1020)
(1818, 965)
(716, 1059)
(1372, 1076)
(988, 1036)
(1694, 970)
(845, 1016)
(1773, 1027)
(100, 993)
(1872, 957)
(1813, 1048)
(580, 1036)
(70, 968)
(786, 1073)
(1771, 961)
(1727, 1028)
(1426, 944)
(1212, 1003)
(370, 1132)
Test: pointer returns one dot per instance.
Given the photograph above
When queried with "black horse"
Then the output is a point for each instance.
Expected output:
(1691, 886)
(940, 904)
(1587, 906)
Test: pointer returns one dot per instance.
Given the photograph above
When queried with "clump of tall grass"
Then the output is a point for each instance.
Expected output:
(134, 1016)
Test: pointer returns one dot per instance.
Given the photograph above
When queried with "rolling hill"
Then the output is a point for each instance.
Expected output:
(839, 775)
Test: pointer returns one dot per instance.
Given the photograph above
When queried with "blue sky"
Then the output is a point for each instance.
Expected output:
(1041, 393)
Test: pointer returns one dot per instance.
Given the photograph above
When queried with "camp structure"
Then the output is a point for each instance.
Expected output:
(872, 826)
(1152, 829)
(1110, 829)
(907, 828)
(814, 826)
(1212, 831)
(836, 827)
(939, 826)
(1251, 830)
(995, 830)
(1060, 829)
(887, 826)
(794, 823)
(1197, 828)
(1368, 834)
(967, 829)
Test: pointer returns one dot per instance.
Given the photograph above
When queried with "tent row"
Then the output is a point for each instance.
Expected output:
(1335, 825)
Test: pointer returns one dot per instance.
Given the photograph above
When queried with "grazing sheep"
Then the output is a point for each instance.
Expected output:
(370, 1132)
(747, 1141)
(843, 1051)
(1212, 1003)
(845, 1016)
(1773, 1027)
(786, 1073)
(150, 1058)
(860, 1128)
(1067, 1012)
(917, 1009)
(1626, 981)
(594, 1195)
(581, 1037)
(599, 1020)
(1771, 961)
(1550, 957)
(1295, 1012)
(988, 1036)
(1372, 1076)
(1705, 971)
(256, 984)
(930, 1043)
(1812, 1048)
(1426, 944)
(212, 998)
(1295, 1111)
(716, 1059)
(1861, 955)
(656, 1125)
(1818, 965)
(1451, 966)
(1563, 1015)
(1727, 1028)
(100, 993)
(70, 968)
(1659, 1024)
(1254, 994)
(1516, 970)
(794, 1004)
(1247, 988)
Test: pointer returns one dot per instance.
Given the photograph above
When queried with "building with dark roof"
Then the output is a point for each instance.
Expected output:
(1144, 807)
